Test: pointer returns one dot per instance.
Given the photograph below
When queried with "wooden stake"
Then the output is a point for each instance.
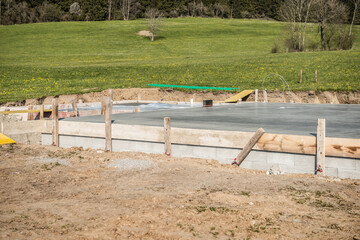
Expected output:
(42, 107)
(247, 148)
(1, 125)
(55, 122)
(30, 114)
(108, 137)
(75, 110)
(265, 96)
(315, 76)
(256, 95)
(103, 106)
(167, 136)
(301, 76)
(320, 148)
(111, 94)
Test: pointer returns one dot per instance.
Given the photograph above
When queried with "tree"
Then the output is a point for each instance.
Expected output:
(127, 6)
(356, 3)
(75, 9)
(296, 12)
(154, 18)
(326, 13)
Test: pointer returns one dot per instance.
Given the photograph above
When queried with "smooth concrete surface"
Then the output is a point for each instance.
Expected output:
(342, 121)
(260, 160)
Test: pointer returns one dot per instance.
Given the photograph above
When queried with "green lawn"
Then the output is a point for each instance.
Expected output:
(45, 59)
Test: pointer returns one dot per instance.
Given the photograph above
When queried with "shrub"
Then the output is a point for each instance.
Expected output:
(49, 12)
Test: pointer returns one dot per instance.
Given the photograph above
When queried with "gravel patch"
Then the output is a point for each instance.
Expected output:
(130, 164)
(52, 160)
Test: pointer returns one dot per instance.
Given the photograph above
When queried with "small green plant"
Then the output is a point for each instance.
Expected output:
(245, 193)
(201, 209)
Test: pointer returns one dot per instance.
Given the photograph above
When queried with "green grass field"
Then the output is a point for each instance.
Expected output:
(47, 59)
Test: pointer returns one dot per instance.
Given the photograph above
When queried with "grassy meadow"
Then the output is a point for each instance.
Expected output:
(45, 59)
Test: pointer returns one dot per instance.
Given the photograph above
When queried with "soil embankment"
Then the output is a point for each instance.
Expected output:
(156, 94)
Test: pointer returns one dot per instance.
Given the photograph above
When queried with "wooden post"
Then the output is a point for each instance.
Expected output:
(111, 94)
(103, 106)
(301, 76)
(42, 107)
(320, 147)
(265, 96)
(75, 110)
(167, 136)
(30, 114)
(1, 125)
(247, 148)
(256, 95)
(315, 76)
(55, 122)
(108, 136)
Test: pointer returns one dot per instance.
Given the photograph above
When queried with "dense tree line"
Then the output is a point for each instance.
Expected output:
(29, 11)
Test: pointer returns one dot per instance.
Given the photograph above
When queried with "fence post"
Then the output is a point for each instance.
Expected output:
(167, 136)
(108, 137)
(265, 96)
(41, 117)
(315, 76)
(301, 76)
(76, 113)
(30, 114)
(55, 122)
(320, 148)
(256, 95)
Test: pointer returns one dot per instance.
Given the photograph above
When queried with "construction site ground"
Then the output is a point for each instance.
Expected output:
(53, 193)
(156, 94)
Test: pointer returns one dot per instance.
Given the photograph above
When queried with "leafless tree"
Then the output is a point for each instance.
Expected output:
(109, 9)
(356, 4)
(327, 12)
(127, 6)
(296, 12)
(154, 18)
(75, 9)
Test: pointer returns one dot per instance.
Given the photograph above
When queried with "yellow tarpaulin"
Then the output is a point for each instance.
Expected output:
(5, 140)
(239, 96)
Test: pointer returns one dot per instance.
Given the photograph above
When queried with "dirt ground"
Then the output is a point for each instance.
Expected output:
(156, 94)
(77, 196)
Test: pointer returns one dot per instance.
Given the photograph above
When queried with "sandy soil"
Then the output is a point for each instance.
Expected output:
(156, 94)
(78, 197)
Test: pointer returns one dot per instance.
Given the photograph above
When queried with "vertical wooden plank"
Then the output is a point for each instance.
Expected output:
(55, 122)
(320, 147)
(30, 114)
(167, 136)
(256, 95)
(108, 136)
(301, 76)
(111, 94)
(265, 96)
(42, 107)
(247, 148)
(1, 125)
(315, 76)
(103, 106)
(76, 113)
